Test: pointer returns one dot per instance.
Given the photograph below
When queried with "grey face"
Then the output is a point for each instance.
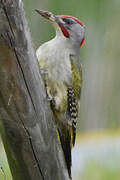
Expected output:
(76, 30)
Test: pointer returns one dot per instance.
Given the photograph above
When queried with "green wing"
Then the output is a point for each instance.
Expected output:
(74, 92)
(76, 75)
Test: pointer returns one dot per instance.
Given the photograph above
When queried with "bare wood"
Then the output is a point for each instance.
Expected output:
(26, 123)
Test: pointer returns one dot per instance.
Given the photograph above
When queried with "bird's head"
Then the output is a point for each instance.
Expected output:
(68, 26)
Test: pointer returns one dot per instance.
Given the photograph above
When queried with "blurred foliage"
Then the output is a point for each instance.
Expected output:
(4, 168)
(95, 171)
(96, 156)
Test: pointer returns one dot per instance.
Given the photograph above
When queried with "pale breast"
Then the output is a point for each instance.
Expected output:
(56, 61)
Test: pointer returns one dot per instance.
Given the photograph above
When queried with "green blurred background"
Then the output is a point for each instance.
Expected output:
(97, 153)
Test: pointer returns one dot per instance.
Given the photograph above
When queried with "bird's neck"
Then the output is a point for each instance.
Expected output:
(66, 43)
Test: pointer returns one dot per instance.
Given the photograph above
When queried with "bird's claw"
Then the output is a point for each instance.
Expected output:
(49, 99)
(43, 71)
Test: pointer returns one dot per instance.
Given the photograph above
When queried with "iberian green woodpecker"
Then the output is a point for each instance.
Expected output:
(59, 61)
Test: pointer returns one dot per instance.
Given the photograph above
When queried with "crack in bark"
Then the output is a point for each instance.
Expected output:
(30, 140)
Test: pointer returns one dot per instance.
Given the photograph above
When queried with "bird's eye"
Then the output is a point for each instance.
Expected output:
(68, 21)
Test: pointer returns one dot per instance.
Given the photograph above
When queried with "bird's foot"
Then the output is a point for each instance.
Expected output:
(49, 99)
(43, 71)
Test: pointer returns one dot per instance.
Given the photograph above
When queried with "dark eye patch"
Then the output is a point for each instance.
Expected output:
(68, 21)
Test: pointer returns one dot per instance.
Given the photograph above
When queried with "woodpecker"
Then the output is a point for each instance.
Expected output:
(60, 65)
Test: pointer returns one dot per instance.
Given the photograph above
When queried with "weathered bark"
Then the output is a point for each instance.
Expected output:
(27, 126)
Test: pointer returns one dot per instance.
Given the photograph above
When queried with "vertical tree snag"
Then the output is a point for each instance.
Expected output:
(26, 123)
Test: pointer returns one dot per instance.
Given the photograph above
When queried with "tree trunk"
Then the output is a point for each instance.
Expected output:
(26, 123)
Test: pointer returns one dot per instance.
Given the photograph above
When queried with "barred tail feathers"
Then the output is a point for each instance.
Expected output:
(73, 112)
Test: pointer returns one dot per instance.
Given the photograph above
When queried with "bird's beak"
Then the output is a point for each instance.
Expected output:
(54, 19)
(47, 15)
